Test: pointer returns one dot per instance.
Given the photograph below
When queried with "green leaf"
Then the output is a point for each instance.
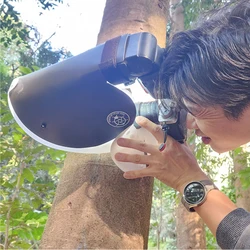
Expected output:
(23, 245)
(15, 204)
(2, 228)
(14, 36)
(36, 203)
(17, 137)
(22, 233)
(46, 165)
(5, 130)
(28, 175)
(38, 232)
(38, 149)
(4, 102)
(35, 215)
(25, 70)
(17, 215)
(53, 170)
(7, 184)
(19, 129)
(32, 222)
(6, 155)
(237, 151)
(56, 154)
(6, 117)
(35, 68)
(31, 215)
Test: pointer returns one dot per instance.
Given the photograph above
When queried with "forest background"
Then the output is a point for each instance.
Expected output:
(29, 172)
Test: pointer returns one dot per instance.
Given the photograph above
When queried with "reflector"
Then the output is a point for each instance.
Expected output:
(69, 107)
(74, 106)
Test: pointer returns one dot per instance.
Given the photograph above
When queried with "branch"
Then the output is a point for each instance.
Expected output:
(44, 42)
(13, 70)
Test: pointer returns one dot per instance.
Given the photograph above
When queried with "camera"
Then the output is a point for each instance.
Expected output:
(166, 113)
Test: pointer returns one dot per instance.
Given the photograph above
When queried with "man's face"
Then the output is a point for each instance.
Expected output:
(221, 133)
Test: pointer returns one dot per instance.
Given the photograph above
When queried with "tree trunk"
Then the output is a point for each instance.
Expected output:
(94, 206)
(189, 230)
(132, 16)
(177, 16)
(240, 163)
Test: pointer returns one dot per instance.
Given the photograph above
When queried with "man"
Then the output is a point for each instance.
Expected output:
(207, 72)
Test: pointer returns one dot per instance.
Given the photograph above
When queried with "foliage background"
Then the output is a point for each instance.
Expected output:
(29, 171)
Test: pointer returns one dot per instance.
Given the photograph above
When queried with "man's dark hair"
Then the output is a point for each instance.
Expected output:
(210, 65)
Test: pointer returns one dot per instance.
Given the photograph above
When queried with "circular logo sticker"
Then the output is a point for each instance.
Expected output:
(118, 119)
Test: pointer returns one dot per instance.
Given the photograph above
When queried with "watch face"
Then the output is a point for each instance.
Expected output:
(194, 193)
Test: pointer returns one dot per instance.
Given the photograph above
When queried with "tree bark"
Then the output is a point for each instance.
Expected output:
(132, 16)
(240, 163)
(177, 16)
(189, 230)
(94, 206)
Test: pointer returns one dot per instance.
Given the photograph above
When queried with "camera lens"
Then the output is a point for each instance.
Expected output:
(148, 110)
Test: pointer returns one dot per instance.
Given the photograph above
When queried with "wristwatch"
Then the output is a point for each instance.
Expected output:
(195, 193)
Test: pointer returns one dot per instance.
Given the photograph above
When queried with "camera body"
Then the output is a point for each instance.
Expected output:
(165, 112)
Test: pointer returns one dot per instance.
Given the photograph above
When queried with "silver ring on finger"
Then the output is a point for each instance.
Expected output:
(162, 147)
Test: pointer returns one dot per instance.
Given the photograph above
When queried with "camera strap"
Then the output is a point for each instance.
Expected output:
(108, 64)
(165, 129)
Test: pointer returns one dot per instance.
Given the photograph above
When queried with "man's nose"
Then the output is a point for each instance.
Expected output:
(191, 122)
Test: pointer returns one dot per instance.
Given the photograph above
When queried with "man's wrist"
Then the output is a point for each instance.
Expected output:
(184, 183)
(195, 193)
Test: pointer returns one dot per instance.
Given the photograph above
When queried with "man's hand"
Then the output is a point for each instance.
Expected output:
(175, 165)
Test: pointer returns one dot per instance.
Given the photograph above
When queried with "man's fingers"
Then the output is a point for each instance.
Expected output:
(153, 128)
(138, 173)
(141, 146)
(135, 158)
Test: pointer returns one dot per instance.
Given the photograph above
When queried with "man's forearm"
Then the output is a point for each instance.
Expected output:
(216, 207)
